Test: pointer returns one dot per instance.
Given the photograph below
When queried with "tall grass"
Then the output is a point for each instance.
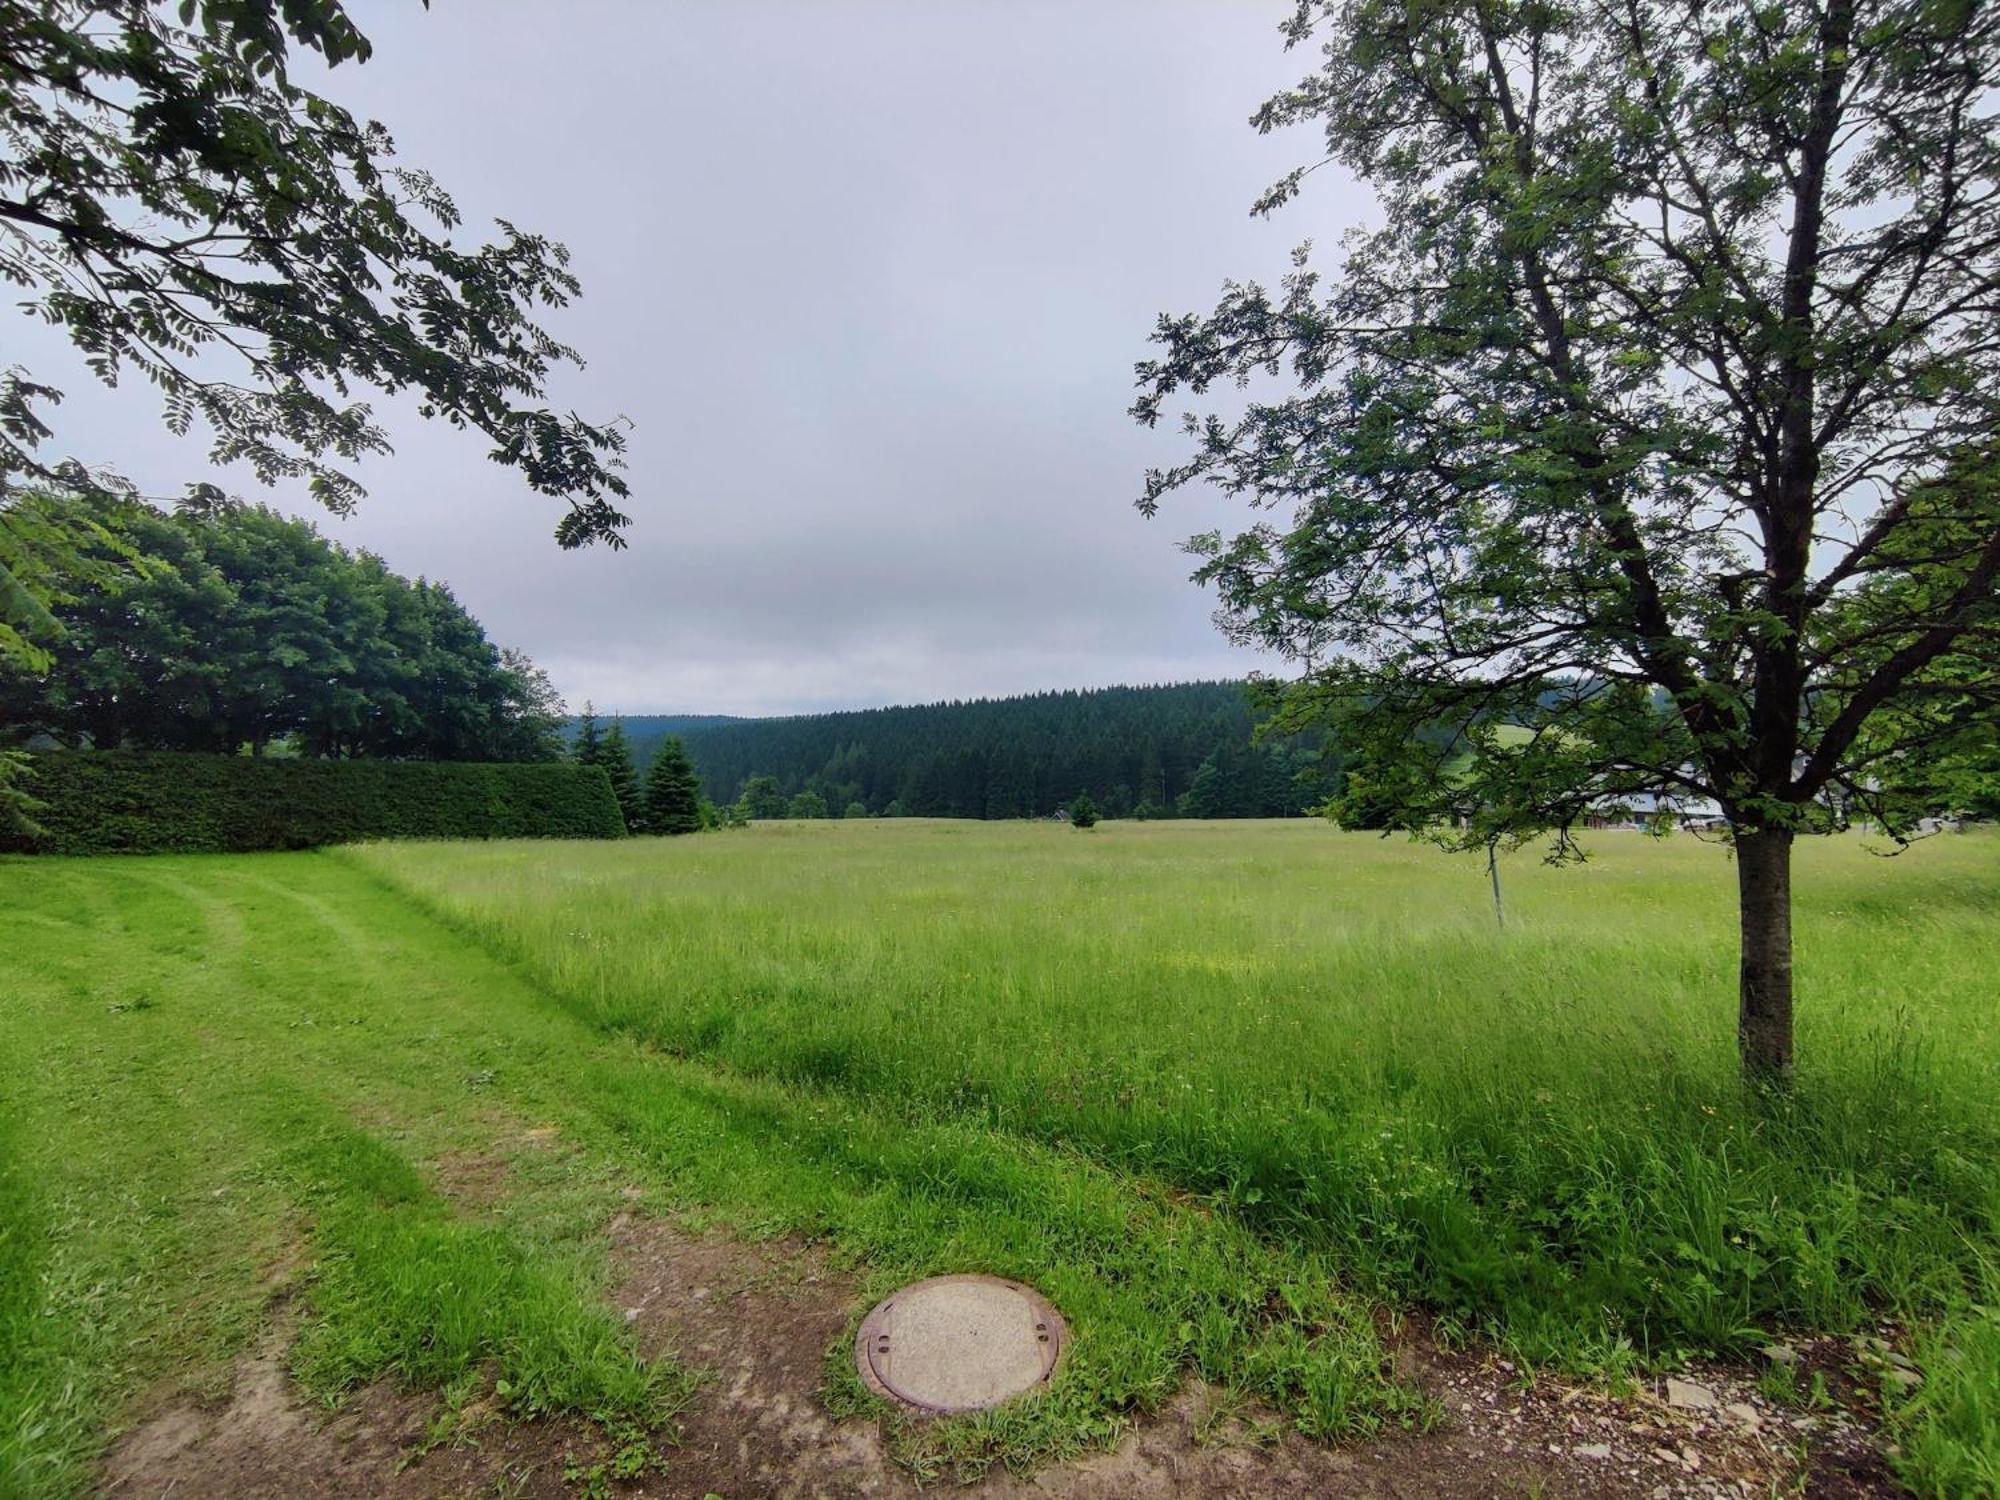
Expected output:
(1537, 1131)
(1212, 1087)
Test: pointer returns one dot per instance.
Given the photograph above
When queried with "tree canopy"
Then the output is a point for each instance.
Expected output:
(184, 210)
(242, 627)
(1657, 416)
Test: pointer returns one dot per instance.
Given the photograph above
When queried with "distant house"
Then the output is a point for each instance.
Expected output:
(1644, 811)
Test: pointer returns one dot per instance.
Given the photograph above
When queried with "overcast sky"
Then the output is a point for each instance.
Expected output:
(869, 280)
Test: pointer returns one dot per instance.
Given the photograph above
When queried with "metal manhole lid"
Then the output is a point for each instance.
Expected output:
(959, 1343)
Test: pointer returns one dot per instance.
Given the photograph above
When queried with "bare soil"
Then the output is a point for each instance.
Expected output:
(760, 1320)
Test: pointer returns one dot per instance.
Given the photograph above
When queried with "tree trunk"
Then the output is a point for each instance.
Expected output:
(1764, 1017)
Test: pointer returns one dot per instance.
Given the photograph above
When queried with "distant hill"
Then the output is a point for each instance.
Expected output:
(1179, 749)
(645, 731)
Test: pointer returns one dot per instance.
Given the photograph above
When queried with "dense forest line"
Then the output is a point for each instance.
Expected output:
(644, 732)
(239, 628)
(1183, 750)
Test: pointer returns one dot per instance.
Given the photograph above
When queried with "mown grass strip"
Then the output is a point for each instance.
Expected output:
(187, 1054)
(33, 1410)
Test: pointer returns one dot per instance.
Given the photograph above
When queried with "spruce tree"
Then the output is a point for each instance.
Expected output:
(1083, 812)
(1153, 784)
(589, 744)
(615, 755)
(673, 797)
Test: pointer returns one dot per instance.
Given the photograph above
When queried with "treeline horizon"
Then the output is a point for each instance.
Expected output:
(1174, 750)
(235, 628)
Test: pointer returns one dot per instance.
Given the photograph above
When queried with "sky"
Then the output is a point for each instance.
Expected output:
(868, 279)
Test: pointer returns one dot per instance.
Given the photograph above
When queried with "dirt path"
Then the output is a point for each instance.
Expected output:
(760, 1318)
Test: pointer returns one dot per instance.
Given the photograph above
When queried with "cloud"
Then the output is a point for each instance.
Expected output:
(869, 280)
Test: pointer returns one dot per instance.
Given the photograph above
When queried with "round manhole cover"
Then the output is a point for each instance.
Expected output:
(959, 1343)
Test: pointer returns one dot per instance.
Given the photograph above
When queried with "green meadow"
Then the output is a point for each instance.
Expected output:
(1223, 1090)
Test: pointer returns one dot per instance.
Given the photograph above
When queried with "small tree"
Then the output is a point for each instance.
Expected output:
(1649, 444)
(1082, 811)
(673, 794)
(589, 744)
(615, 755)
(856, 810)
(806, 805)
(761, 798)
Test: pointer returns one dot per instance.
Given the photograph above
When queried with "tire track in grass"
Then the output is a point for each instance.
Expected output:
(181, 1142)
(117, 1155)
(402, 1286)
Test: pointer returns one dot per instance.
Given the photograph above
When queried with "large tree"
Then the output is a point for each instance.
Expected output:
(1648, 442)
(184, 210)
(49, 551)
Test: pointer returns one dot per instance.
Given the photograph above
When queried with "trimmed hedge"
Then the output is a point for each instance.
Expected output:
(157, 802)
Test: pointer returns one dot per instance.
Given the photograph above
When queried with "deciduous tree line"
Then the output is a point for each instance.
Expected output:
(240, 628)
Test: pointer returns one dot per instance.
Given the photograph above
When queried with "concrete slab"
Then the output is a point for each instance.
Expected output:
(959, 1343)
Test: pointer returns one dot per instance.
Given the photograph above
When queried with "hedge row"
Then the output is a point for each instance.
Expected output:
(156, 802)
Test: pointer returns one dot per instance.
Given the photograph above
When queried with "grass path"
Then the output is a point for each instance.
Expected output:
(225, 1075)
(206, 1084)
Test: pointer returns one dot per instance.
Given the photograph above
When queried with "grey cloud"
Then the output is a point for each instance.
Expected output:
(868, 279)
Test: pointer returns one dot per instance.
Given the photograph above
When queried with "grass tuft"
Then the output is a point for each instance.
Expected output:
(401, 1287)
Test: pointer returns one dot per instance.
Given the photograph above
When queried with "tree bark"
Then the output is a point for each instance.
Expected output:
(1764, 1016)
